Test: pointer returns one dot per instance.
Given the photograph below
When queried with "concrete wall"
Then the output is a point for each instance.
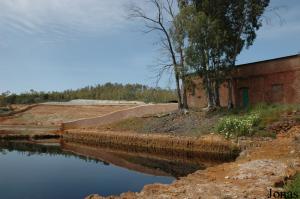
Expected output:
(120, 115)
(271, 81)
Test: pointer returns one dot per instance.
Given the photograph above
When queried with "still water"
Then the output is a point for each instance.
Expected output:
(30, 171)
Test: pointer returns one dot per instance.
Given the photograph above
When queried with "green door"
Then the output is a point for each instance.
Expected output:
(245, 94)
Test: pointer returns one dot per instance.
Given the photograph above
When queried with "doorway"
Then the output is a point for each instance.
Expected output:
(245, 96)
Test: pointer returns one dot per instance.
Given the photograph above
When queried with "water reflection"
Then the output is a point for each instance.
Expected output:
(34, 171)
(29, 148)
(153, 162)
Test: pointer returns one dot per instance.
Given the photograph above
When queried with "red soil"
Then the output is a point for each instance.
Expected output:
(49, 115)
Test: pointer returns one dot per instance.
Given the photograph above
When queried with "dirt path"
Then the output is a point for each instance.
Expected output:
(255, 172)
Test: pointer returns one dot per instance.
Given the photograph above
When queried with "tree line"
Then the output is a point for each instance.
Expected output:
(204, 38)
(108, 91)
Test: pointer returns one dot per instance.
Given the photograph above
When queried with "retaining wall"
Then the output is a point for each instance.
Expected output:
(162, 144)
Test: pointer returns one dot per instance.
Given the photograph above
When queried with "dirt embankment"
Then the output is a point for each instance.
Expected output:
(54, 115)
(120, 115)
(255, 172)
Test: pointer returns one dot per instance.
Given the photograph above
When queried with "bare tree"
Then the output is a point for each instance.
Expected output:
(162, 22)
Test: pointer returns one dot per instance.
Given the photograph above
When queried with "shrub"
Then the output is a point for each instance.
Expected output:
(235, 126)
(254, 120)
(273, 113)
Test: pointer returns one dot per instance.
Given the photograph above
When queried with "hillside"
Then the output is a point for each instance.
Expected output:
(108, 91)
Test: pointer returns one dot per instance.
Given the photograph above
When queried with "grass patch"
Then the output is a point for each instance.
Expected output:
(264, 133)
(132, 124)
(272, 113)
(253, 121)
(294, 186)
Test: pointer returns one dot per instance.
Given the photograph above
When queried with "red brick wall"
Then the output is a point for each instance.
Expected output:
(196, 94)
(273, 81)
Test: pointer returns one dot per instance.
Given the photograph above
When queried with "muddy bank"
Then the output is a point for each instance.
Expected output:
(255, 172)
(213, 146)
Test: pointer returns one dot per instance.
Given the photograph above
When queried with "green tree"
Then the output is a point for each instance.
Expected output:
(205, 52)
(243, 18)
(218, 30)
(108, 91)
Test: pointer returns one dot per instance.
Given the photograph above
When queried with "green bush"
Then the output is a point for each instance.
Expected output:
(235, 126)
(254, 120)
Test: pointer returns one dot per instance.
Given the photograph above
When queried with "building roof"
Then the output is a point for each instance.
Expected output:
(270, 60)
(275, 68)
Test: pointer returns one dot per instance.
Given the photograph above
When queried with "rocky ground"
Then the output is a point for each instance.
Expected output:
(175, 123)
(252, 175)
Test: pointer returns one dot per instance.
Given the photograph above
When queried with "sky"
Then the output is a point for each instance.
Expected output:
(53, 45)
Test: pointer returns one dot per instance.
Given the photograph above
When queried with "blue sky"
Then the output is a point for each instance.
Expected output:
(50, 45)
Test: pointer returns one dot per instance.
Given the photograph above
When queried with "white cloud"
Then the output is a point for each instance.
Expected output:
(279, 32)
(282, 23)
(59, 18)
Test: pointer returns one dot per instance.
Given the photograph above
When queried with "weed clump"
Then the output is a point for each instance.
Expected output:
(294, 186)
(236, 126)
(260, 120)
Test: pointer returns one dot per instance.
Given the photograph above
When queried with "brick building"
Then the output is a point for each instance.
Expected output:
(271, 81)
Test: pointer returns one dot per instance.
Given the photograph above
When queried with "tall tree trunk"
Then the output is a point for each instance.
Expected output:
(217, 94)
(184, 94)
(183, 78)
(178, 90)
(209, 93)
(230, 101)
(230, 80)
